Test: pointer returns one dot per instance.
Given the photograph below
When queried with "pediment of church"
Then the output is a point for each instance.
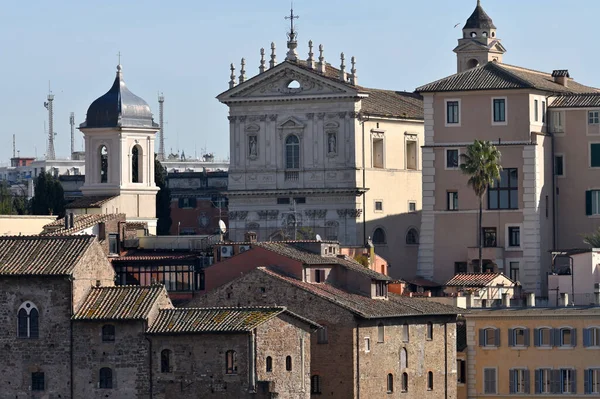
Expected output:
(475, 46)
(291, 123)
(286, 80)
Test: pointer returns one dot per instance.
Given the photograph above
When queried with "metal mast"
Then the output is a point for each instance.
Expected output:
(161, 134)
(72, 122)
(50, 154)
(14, 147)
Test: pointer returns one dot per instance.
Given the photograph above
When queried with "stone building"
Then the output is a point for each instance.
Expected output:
(313, 152)
(373, 343)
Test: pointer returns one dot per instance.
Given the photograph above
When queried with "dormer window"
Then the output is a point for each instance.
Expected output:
(380, 289)
(318, 276)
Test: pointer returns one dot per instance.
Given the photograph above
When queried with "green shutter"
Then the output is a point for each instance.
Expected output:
(595, 155)
(588, 202)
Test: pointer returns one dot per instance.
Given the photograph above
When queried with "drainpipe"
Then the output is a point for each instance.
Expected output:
(358, 358)
(252, 362)
(446, 360)
(71, 359)
(149, 364)
(554, 208)
(364, 118)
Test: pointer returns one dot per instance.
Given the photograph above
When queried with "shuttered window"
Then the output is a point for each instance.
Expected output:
(543, 381)
(543, 337)
(591, 381)
(518, 337)
(591, 337)
(489, 337)
(489, 381)
(519, 381)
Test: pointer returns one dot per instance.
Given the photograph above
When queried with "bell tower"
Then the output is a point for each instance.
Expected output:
(479, 43)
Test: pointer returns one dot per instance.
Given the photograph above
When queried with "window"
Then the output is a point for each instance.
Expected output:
(137, 165)
(300, 200)
(518, 337)
(28, 321)
(519, 381)
(543, 381)
(514, 236)
(489, 237)
(187, 203)
(452, 112)
(113, 244)
(283, 201)
(411, 155)
(292, 152)
(269, 364)
(557, 121)
(412, 206)
(430, 381)
(379, 236)
(460, 267)
(593, 117)
(489, 337)
(106, 378)
(390, 383)
(288, 363)
(543, 111)
(594, 155)
(377, 153)
(567, 381)
(367, 344)
(543, 337)
(315, 384)
(514, 271)
(381, 289)
(591, 381)
(567, 337)
(380, 333)
(591, 336)
(412, 237)
(322, 335)
(379, 206)
(452, 200)
(174, 277)
(403, 358)
(559, 165)
(489, 380)
(405, 332)
(504, 194)
(38, 382)
(429, 331)
(461, 371)
(108, 333)
(592, 202)
(165, 361)
(405, 382)
(103, 155)
(499, 105)
(231, 362)
(452, 158)
(536, 110)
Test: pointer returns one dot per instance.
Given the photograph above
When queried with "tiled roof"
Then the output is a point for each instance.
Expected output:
(576, 101)
(126, 302)
(568, 311)
(136, 225)
(395, 306)
(499, 76)
(208, 320)
(90, 202)
(389, 103)
(472, 279)
(80, 222)
(155, 256)
(423, 282)
(40, 255)
(349, 263)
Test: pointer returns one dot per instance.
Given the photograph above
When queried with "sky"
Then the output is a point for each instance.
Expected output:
(183, 49)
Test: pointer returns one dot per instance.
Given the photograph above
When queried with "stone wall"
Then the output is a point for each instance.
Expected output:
(92, 269)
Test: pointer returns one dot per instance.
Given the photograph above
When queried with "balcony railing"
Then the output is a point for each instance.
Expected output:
(292, 176)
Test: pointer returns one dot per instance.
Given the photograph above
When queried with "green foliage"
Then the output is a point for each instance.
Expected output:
(592, 239)
(481, 163)
(305, 233)
(362, 259)
(6, 200)
(163, 199)
(48, 197)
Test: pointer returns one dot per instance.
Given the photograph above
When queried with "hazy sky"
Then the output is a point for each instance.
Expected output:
(184, 47)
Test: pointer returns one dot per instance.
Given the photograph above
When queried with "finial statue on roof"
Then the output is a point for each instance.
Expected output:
(353, 77)
(292, 55)
(262, 67)
(322, 63)
(243, 71)
(310, 62)
(232, 82)
(343, 75)
(273, 61)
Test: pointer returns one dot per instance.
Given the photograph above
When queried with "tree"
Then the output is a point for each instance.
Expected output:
(592, 239)
(163, 199)
(48, 196)
(6, 207)
(482, 165)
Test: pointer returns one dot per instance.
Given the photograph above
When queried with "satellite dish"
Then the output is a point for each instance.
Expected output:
(222, 226)
(318, 238)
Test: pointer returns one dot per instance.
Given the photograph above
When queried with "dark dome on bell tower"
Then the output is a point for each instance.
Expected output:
(479, 19)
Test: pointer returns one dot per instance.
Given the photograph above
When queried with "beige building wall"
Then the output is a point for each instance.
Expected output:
(14, 225)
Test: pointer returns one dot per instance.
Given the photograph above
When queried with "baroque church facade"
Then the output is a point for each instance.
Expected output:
(314, 153)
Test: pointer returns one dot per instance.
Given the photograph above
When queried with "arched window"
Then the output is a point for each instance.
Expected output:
(390, 383)
(405, 332)
(473, 34)
(288, 363)
(315, 384)
(165, 361)
(484, 34)
(331, 230)
(472, 63)
(103, 155)
(269, 364)
(430, 381)
(379, 236)
(404, 382)
(403, 358)
(106, 378)
(380, 332)
(28, 321)
(430, 331)
(137, 165)
(231, 362)
(412, 236)
(292, 152)
(108, 333)
(294, 84)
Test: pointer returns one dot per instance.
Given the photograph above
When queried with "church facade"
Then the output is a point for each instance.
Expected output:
(313, 153)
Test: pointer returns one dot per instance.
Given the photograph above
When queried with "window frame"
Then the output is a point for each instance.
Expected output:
(590, 145)
(498, 122)
(288, 363)
(268, 364)
(106, 333)
(452, 199)
(591, 337)
(558, 127)
(315, 384)
(390, 383)
(544, 111)
(380, 333)
(416, 243)
(486, 337)
(536, 110)
(459, 116)
(367, 341)
(593, 117)
(538, 335)
(461, 371)
(446, 150)
(405, 332)
(491, 231)
(106, 378)
(570, 375)
(519, 381)
(412, 204)
(507, 237)
(429, 331)
(592, 381)
(30, 333)
(497, 190)
(563, 165)
(166, 366)
(561, 339)
(295, 147)
(231, 367)
(430, 380)
(404, 387)
(593, 204)
(38, 381)
(322, 335)
(376, 203)
(514, 337)
(486, 384)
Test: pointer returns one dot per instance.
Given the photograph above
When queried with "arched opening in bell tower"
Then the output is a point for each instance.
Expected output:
(103, 156)
(472, 63)
(137, 164)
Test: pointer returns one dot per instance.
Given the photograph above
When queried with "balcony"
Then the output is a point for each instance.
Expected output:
(488, 253)
(292, 175)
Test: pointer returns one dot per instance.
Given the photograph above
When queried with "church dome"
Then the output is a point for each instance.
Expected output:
(119, 108)
(479, 19)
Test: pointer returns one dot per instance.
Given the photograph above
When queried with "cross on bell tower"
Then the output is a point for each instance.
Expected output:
(292, 44)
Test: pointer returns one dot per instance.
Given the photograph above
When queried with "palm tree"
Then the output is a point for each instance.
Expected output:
(592, 239)
(482, 164)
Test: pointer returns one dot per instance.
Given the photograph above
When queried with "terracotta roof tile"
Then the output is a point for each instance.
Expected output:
(90, 202)
(80, 222)
(40, 255)
(120, 302)
(472, 279)
(576, 101)
(395, 104)
(155, 256)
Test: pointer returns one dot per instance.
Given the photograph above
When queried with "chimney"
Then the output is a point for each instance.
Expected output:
(67, 221)
(250, 236)
(71, 220)
(564, 299)
(561, 76)
(597, 293)
(531, 300)
(469, 300)
(505, 300)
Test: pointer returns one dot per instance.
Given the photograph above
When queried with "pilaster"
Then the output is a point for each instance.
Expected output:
(531, 237)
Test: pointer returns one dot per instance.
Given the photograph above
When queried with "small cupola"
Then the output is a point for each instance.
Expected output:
(561, 76)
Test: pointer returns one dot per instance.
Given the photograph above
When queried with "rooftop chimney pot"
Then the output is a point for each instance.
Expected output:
(561, 76)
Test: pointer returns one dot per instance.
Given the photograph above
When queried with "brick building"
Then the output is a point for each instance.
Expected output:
(373, 343)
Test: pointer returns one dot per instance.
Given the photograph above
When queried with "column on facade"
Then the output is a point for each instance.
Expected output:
(531, 236)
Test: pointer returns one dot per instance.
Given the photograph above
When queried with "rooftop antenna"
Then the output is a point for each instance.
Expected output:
(50, 154)
(14, 147)
(72, 122)
(161, 134)
(292, 55)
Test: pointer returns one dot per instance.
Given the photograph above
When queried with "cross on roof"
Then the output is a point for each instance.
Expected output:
(119, 55)
(292, 17)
